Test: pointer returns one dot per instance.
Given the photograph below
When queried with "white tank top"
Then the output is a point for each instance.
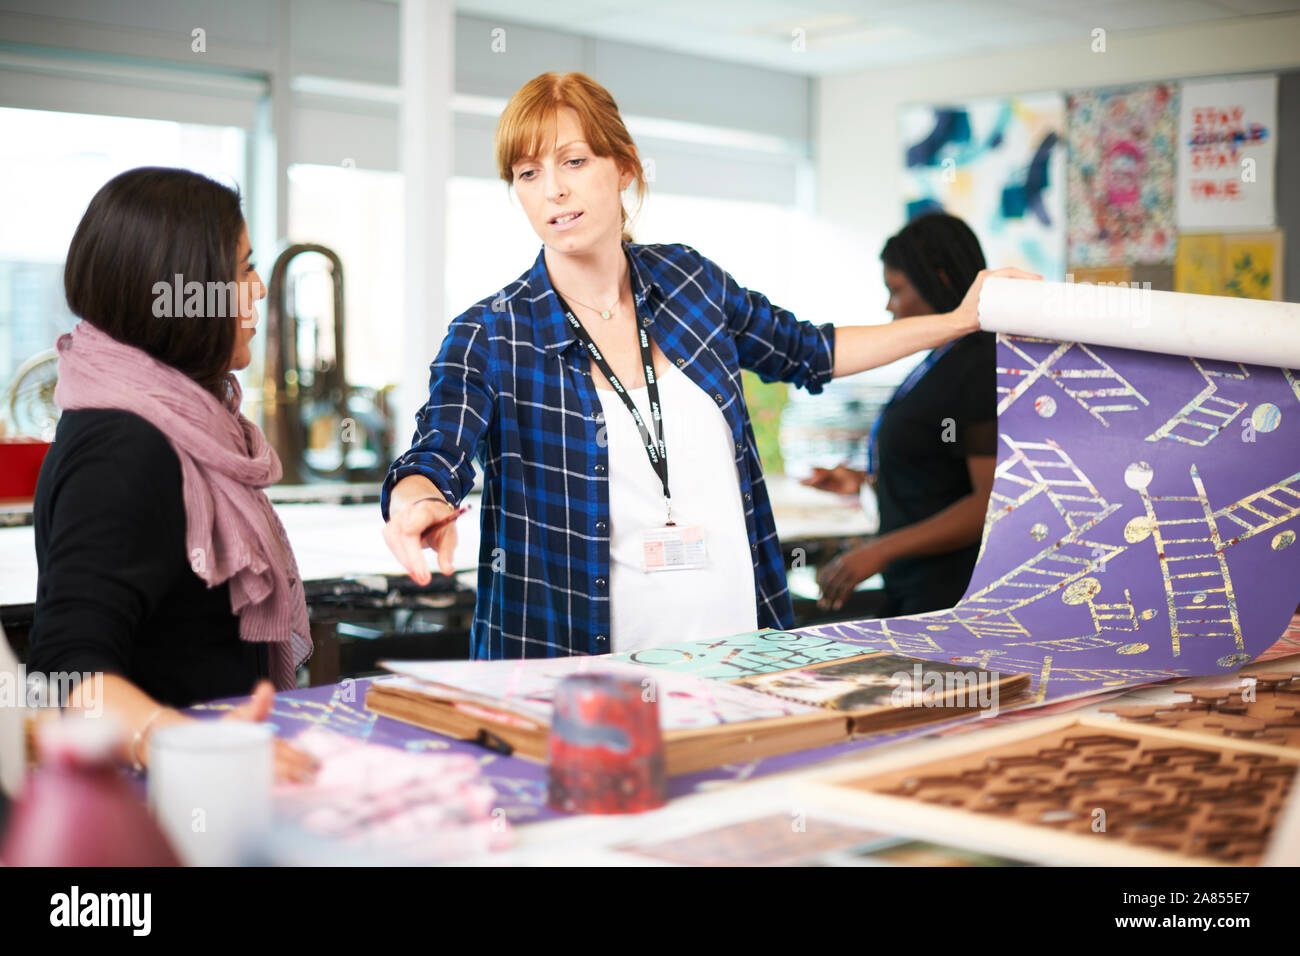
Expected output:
(664, 607)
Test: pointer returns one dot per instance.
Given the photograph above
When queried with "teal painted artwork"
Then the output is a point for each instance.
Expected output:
(742, 655)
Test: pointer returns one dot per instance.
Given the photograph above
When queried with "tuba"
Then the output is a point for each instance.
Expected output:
(322, 428)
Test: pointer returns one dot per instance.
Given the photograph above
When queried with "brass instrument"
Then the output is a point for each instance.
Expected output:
(322, 428)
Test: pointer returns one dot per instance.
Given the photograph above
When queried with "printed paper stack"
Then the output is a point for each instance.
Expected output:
(774, 709)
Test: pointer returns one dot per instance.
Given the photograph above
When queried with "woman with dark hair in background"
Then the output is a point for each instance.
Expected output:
(932, 452)
(163, 570)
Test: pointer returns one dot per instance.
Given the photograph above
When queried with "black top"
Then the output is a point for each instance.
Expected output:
(921, 451)
(115, 591)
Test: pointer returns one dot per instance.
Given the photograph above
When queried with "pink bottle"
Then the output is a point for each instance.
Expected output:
(76, 809)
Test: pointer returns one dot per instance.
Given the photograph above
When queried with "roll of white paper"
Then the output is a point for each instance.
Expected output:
(1177, 323)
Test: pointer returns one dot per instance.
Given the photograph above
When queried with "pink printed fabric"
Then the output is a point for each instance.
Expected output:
(232, 533)
(408, 807)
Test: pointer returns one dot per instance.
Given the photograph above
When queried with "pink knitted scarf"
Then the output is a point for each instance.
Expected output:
(232, 532)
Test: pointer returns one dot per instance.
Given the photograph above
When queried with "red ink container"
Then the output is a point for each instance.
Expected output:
(606, 752)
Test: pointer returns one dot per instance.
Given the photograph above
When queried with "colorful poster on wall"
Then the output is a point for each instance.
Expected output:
(999, 164)
(1246, 265)
(1121, 175)
(1227, 154)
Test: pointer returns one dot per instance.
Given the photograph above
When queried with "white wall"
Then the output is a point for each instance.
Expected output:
(858, 153)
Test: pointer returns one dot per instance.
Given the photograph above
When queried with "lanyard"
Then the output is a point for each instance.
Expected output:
(900, 393)
(655, 448)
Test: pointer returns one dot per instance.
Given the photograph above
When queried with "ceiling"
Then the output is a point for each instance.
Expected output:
(844, 35)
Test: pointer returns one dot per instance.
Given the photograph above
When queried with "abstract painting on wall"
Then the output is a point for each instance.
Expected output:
(999, 164)
(1121, 175)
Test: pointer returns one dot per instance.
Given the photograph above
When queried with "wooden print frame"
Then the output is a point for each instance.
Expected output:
(1000, 836)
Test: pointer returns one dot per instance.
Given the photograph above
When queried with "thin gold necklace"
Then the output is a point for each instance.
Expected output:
(604, 313)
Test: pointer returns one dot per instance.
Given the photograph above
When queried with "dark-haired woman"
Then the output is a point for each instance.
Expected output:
(164, 574)
(932, 453)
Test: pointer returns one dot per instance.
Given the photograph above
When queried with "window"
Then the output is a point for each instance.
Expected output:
(51, 164)
(800, 265)
(358, 213)
(489, 241)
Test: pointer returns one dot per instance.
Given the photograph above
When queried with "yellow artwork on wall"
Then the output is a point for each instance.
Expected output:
(1253, 265)
(1198, 264)
(1246, 265)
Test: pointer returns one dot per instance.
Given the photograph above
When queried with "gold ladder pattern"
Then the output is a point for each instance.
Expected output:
(1202, 419)
(1047, 572)
(1252, 515)
(1100, 390)
(1198, 587)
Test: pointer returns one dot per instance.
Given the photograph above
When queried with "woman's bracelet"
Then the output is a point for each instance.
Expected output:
(139, 735)
(432, 498)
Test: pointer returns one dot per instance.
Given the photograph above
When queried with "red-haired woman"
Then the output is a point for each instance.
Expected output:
(623, 499)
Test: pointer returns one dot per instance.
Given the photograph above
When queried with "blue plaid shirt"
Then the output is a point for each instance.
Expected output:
(512, 386)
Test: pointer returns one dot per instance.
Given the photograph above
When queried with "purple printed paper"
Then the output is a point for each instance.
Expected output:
(1142, 523)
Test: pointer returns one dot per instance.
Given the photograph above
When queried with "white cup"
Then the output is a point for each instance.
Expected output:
(210, 788)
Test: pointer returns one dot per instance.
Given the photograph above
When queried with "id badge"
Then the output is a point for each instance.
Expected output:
(673, 548)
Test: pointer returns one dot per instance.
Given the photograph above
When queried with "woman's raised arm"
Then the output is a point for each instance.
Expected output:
(860, 347)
